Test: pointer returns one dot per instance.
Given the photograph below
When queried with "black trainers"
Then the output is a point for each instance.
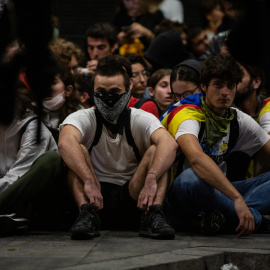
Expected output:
(265, 225)
(87, 225)
(11, 224)
(153, 224)
(212, 223)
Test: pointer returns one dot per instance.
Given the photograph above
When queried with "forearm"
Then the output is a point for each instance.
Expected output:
(163, 158)
(209, 172)
(71, 152)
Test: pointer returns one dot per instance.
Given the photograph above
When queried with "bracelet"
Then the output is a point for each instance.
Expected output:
(153, 173)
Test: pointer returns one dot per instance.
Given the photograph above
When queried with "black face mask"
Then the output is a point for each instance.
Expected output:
(111, 108)
(109, 98)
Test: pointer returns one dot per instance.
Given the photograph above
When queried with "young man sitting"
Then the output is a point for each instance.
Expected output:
(204, 187)
(118, 159)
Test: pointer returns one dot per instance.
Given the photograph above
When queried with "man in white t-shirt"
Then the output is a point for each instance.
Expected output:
(102, 147)
(204, 186)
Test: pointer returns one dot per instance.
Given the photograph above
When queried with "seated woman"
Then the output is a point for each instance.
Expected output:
(62, 102)
(27, 168)
(160, 89)
(185, 79)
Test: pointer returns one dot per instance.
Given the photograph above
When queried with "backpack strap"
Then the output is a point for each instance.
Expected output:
(130, 138)
(234, 132)
(98, 132)
(24, 127)
(141, 101)
(201, 131)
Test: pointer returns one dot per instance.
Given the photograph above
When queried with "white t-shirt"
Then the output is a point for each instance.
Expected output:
(114, 160)
(172, 10)
(251, 138)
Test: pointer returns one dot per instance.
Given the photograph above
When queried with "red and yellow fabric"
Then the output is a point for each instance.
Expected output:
(181, 113)
(135, 47)
(265, 108)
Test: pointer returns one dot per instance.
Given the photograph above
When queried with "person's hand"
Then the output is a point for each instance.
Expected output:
(137, 31)
(124, 38)
(148, 193)
(246, 220)
(92, 65)
(94, 195)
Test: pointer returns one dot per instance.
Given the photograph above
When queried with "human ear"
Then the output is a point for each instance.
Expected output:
(151, 91)
(203, 87)
(84, 97)
(257, 82)
(68, 90)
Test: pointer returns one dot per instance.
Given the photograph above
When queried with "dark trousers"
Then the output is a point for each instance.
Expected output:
(41, 194)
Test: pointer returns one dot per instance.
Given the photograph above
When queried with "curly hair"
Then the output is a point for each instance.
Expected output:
(221, 66)
(72, 102)
(64, 49)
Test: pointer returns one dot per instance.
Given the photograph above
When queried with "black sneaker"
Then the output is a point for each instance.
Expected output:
(11, 224)
(265, 225)
(87, 225)
(212, 223)
(154, 225)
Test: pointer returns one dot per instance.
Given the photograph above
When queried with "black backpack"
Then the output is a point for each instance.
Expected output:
(141, 101)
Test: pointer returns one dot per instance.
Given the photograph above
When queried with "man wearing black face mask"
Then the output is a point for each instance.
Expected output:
(118, 159)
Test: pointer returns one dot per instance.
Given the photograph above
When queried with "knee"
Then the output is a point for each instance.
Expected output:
(150, 152)
(85, 151)
(187, 181)
(48, 161)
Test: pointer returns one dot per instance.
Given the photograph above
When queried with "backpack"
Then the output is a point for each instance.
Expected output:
(141, 101)
(127, 128)
(24, 127)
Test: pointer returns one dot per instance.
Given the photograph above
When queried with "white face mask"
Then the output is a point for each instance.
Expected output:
(55, 103)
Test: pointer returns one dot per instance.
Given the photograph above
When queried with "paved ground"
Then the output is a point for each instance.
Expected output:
(126, 250)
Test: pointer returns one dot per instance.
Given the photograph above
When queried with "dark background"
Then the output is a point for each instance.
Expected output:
(75, 16)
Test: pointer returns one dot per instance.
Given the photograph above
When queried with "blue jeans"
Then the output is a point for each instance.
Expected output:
(189, 195)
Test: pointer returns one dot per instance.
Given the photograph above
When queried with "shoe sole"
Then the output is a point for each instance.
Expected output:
(157, 236)
(11, 226)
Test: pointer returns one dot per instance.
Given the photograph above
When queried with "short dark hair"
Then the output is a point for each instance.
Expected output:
(221, 66)
(254, 71)
(111, 69)
(135, 58)
(103, 30)
(116, 59)
(83, 82)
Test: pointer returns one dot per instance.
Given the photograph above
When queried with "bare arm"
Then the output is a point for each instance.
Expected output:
(71, 151)
(165, 153)
(208, 171)
(163, 159)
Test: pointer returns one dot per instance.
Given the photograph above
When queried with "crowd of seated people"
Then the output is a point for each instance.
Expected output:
(151, 132)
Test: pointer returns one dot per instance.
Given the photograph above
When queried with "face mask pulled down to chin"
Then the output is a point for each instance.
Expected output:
(55, 103)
